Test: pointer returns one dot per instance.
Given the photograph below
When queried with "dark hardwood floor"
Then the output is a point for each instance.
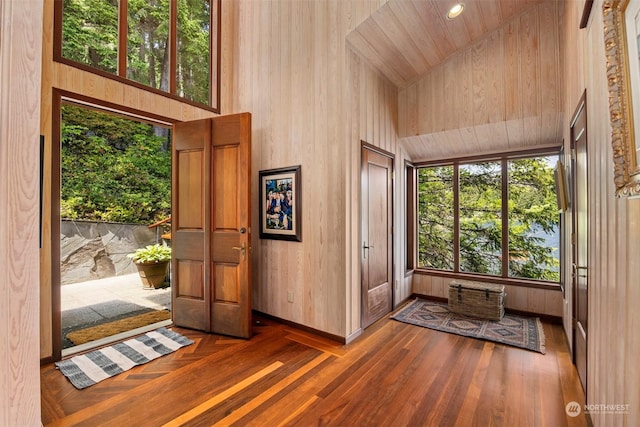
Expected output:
(395, 374)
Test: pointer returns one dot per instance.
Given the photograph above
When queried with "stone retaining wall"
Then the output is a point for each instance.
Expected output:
(95, 250)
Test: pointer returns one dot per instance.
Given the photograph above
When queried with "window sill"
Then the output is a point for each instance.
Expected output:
(525, 283)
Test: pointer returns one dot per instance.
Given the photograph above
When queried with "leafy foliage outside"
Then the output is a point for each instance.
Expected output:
(90, 33)
(113, 169)
(148, 42)
(435, 218)
(90, 37)
(193, 56)
(151, 254)
(533, 219)
(481, 218)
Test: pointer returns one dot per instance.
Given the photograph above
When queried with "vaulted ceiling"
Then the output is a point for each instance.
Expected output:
(488, 80)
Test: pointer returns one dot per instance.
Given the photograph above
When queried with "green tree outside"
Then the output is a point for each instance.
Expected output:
(533, 219)
(90, 37)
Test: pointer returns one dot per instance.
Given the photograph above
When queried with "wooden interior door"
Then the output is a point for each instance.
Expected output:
(377, 235)
(211, 218)
(579, 239)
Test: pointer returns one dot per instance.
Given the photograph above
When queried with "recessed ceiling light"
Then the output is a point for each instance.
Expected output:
(455, 11)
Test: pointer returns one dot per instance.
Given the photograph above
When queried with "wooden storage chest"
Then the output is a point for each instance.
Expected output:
(477, 299)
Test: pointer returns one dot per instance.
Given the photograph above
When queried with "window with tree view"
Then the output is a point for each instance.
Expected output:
(463, 206)
(435, 219)
(480, 195)
(168, 45)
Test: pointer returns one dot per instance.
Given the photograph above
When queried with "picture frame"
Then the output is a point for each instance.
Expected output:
(280, 204)
(621, 20)
(561, 185)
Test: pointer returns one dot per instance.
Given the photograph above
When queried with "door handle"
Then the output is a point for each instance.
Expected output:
(365, 247)
(241, 249)
(576, 268)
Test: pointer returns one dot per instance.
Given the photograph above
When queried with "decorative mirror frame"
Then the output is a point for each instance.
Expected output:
(626, 171)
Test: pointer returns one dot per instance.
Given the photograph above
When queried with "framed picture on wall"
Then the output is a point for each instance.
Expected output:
(280, 204)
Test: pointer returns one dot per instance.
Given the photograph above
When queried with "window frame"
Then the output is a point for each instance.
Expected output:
(120, 76)
(410, 223)
(504, 278)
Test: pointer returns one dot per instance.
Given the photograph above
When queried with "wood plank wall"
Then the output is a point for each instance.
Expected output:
(60, 76)
(20, 70)
(501, 93)
(312, 102)
(613, 373)
(374, 114)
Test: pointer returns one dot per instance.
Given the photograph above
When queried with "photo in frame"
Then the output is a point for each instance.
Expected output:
(280, 204)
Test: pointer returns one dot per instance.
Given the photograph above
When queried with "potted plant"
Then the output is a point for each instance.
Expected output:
(152, 262)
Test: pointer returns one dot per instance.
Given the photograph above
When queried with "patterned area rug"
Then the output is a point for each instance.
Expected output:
(517, 331)
(88, 369)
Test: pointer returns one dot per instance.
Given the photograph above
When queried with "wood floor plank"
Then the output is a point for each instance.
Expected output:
(270, 392)
(470, 404)
(226, 394)
(394, 374)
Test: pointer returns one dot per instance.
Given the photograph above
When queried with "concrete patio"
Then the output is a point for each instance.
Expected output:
(94, 302)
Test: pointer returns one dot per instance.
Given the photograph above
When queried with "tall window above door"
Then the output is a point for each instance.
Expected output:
(496, 217)
(170, 47)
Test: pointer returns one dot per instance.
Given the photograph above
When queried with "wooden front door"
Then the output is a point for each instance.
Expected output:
(211, 219)
(579, 239)
(377, 235)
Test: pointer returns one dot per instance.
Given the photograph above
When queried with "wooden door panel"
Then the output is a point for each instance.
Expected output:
(379, 227)
(378, 301)
(230, 227)
(190, 283)
(187, 244)
(225, 181)
(190, 191)
(227, 283)
(190, 307)
(377, 250)
(211, 232)
(229, 130)
(188, 294)
(222, 247)
(580, 221)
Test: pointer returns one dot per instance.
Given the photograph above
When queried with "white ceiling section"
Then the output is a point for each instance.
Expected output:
(487, 81)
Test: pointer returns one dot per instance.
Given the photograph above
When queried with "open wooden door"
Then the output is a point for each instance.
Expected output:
(579, 239)
(211, 218)
(377, 235)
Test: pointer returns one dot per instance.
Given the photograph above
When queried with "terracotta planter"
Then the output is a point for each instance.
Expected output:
(152, 274)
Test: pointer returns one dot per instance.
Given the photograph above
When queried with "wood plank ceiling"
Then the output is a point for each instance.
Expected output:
(415, 46)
